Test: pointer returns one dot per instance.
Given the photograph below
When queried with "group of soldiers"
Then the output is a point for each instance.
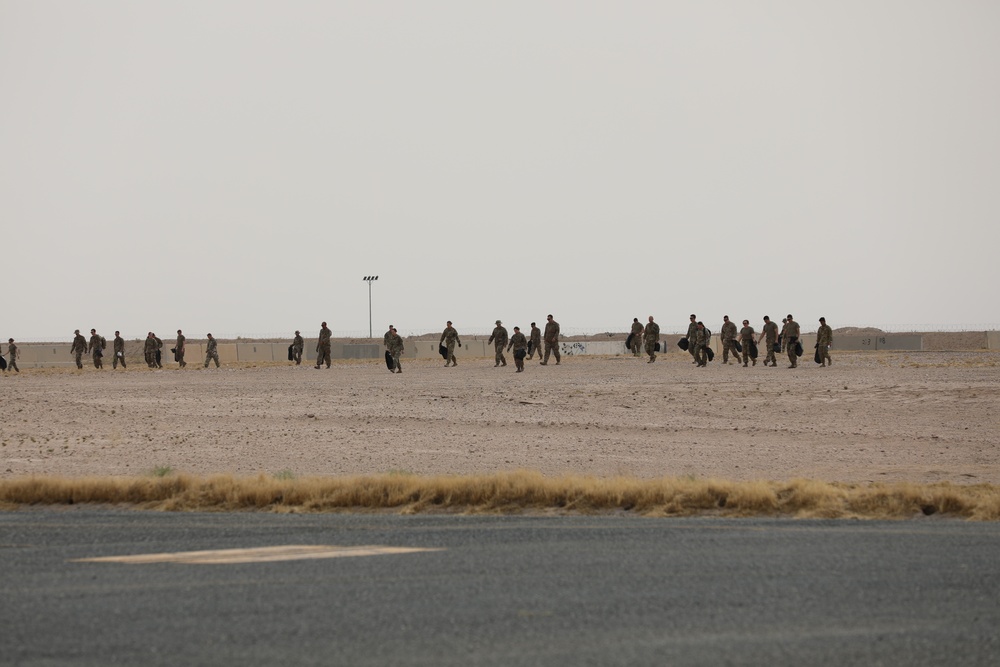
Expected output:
(152, 350)
(737, 343)
(698, 337)
(523, 346)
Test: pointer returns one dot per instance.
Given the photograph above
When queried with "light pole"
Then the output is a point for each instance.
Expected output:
(370, 280)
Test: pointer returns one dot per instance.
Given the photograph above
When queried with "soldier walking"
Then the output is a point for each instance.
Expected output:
(298, 345)
(551, 340)
(149, 350)
(728, 336)
(96, 348)
(824, 339)
(520, 345)
(746, 340)
(118, 350)
(449, 338)
(12, 356)
(323, 346)
(158, 357)
(636, 335)
(692, 335)
(652, 337)
(770, 334)
(179, 349)
(395, 348)
(499, 340)
(789, 337)
(212, 351)
(79, 348)
(702, 338)
(535, 342)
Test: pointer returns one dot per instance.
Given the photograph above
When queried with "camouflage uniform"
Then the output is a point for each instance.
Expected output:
(518, 342)
(824, 338)
(395, 347)
(499, 340)
(535, 342)
(212, 352)
(323, 347)
(636, 338)
(298, 345)
(157, 358)
(728, 336)
(79, 349)
(551, 341)
(449, 337)
(149, 351)
(702, 337)
(12, 357)
(770, 334)
(179, 354)
(118, 349)
(652, 336)
(692, 336)
(789, 336)
(96, 349)
(746, 338)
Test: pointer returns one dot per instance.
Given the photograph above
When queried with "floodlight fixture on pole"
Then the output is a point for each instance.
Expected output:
(370, 280)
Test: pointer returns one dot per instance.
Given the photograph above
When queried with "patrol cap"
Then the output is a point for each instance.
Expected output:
(498, 321)
(296, 332)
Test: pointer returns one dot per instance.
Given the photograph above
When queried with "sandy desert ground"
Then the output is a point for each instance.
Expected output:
(921, 417)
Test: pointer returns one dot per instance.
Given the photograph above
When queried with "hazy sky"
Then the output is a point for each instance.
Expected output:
(239, 166)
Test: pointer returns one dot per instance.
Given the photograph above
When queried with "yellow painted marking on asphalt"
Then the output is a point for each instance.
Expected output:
(257, 555)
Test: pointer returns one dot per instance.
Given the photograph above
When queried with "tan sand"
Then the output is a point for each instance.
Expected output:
(921, 417)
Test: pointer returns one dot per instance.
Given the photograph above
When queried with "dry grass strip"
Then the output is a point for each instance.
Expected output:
(513, 493)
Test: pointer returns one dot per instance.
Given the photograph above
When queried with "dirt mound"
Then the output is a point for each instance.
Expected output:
(858, 331)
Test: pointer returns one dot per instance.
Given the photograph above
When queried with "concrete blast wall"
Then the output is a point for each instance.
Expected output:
(47, 355)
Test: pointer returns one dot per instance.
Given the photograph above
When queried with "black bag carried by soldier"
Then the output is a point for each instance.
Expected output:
(737, 346)
(520, 353)
(752, 349)
(683, 344)
(628, 341)
(816, 356)
(656, 347)
(173, 351)
(443, 351)
(531, 347)
(3, 364)
(798, 349)
(777, 348)
(710, 352)
(389, 363)
(291, 353)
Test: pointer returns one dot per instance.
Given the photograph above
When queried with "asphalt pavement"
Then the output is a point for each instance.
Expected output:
(492, 590)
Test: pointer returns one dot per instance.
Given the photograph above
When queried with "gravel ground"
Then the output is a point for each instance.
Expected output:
(920, 417)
